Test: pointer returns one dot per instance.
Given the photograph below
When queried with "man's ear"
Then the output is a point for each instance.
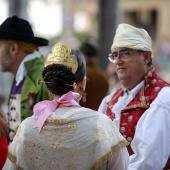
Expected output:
(148, 56)
(14, 48)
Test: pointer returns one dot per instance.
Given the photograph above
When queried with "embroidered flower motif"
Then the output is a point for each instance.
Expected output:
(147, 98)
(99, 134)
(71, 128)
(130, 118)
(150, 73)
(31, 99)
(157, 89)
(142, 98)
(154, 81)
(122, 129)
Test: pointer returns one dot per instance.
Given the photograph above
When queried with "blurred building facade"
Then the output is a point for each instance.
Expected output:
(79, 16)
(152, 15)
(85, 15)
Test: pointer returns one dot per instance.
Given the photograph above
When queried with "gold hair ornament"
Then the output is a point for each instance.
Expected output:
(39, 81)
(61, 55)
(74, 85)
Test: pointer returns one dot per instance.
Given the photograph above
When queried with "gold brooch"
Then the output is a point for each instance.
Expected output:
(61, 55)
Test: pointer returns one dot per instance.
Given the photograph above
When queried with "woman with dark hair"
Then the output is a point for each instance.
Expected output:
(61, 134)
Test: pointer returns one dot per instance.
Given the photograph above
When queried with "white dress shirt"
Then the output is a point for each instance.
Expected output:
(151, 143)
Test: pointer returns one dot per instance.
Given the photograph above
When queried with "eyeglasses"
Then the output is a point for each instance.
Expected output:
(122, 55)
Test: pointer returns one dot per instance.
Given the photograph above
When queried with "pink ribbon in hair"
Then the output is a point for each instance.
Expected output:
(45, 108)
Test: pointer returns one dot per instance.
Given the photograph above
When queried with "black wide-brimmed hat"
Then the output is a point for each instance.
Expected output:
(14, 28)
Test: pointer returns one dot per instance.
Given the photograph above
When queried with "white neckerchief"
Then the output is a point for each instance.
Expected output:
(124, 100)
(22, 72)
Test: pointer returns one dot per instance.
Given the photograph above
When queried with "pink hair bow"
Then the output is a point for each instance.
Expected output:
(45, 108)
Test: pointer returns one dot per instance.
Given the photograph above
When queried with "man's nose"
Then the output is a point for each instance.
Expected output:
(118, 59)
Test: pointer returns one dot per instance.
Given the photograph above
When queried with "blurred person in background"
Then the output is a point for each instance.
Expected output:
(97, 79)
(3, 139)
(19, 55)
(62, 135)
(141, 108)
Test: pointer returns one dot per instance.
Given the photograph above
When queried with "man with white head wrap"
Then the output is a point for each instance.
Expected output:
(141, 108)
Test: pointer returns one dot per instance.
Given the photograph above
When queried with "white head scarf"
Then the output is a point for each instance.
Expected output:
(131, 37)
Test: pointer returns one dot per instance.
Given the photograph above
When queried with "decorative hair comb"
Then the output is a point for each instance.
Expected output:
(61, 55)
(39, 81)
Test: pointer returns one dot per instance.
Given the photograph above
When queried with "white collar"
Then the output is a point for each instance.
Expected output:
(135, 90)
(22, 72)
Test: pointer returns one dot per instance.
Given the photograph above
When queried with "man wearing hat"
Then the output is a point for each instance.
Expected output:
(19, 55)
(141, 108)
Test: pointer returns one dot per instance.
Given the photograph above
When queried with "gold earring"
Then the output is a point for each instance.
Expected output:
(84, 94)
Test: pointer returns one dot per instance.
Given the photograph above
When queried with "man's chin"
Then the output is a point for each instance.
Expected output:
(123, 80)
(122, 77)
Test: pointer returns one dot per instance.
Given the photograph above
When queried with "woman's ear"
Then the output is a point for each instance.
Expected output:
(82, 84)
(81, 88)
